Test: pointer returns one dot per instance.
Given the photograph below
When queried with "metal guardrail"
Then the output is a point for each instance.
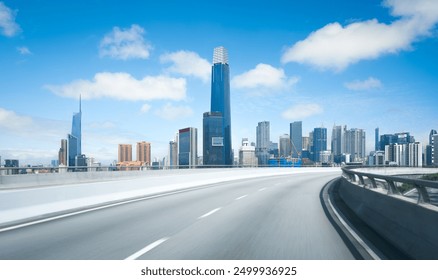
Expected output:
(424, 191)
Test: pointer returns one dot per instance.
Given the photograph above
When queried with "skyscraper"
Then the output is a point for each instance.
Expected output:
(74, 139)
(435, 149)
(285, 146)
(296, 138)
(63, 151)
(376, 140)
(144, 152)
(188, 147)
(319, 142)
(337, 143)
(263, 143)
(172, 158)
(220, 97)
(125, 152)
(430, 151)
(355, 144)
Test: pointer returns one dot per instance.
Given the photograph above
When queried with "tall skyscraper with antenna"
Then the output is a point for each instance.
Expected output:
(75, 138)
(217, 123)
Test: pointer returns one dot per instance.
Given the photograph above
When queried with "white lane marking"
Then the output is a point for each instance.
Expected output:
(262, 189)
(240, 197)
(353, 233)
(86, 211)
(209, 213)
(146, 249)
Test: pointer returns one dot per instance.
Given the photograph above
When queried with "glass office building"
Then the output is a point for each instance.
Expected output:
(213, 139)
(74, 139)
(296, 138)
(220, 98)
(188, 147)
(319, 143)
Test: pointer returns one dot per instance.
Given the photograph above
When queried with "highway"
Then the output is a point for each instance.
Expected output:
(277, 217)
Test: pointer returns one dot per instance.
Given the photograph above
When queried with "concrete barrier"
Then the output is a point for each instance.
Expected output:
(411, 227)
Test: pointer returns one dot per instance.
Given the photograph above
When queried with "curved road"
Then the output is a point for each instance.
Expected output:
(263, 218)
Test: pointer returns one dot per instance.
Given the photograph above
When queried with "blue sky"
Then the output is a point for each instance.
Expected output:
(143, 69)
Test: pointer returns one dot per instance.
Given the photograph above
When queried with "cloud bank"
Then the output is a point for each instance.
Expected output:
(264, 76)
(8, 26)
(336, 47)
(188, 63)
(125, 44)
(302, 111)
(122, 86)
(367, 84)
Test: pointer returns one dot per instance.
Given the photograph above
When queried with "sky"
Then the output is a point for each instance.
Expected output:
(143, 70)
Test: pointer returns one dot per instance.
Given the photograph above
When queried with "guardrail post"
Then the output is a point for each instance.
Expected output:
(361, 181)
(373, 182)
(423, 196)
(392, 189)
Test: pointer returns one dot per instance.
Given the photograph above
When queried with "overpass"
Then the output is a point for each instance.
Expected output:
(245, 213)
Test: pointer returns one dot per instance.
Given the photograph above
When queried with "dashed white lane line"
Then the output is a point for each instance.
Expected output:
(146, 249)
(210, 213)
(262, 189)
(240, 197)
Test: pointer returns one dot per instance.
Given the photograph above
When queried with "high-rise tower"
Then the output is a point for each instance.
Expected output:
(296, 138)
(218, 151)
(75, 138)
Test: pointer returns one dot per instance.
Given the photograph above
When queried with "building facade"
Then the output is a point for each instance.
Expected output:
(125, 152)
(74, 140)
(247, 157)
(337, 143)
(296, 138)
(319, 143)
(284, 146)
(63, 153)
(188, 147)
(144, 152)
(355, 144)
(172, 157)
(213, 150)
(220, 97)
(263, 143)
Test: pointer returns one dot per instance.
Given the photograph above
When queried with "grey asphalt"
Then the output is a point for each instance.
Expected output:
(263, 218)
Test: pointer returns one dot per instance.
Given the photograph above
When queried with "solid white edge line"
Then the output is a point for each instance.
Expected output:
(209, 213)
(240, 197)
(146, 249)
(86, 211)
(353, 233)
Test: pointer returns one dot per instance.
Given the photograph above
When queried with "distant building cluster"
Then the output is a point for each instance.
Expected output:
(346, 146)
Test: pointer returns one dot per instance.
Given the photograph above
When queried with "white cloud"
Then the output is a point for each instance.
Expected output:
(24, 50)
(367, 84)
(336, 47)
(125, 44)
(188, 63)
(8, 26)
(302, 111)
(264, 76)
(171, 112)
(145, 108)
(122, 86)
(12, 121)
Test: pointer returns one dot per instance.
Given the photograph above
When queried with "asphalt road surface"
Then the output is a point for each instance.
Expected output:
(277, 217)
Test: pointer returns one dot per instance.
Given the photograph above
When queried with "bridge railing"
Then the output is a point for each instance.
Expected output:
(418, 189)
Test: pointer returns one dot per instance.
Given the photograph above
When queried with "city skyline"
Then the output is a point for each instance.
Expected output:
(143, 70)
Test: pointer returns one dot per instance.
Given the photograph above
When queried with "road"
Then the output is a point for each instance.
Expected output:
(277, 217)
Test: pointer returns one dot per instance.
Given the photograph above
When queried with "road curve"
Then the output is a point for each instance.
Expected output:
(277, 217)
